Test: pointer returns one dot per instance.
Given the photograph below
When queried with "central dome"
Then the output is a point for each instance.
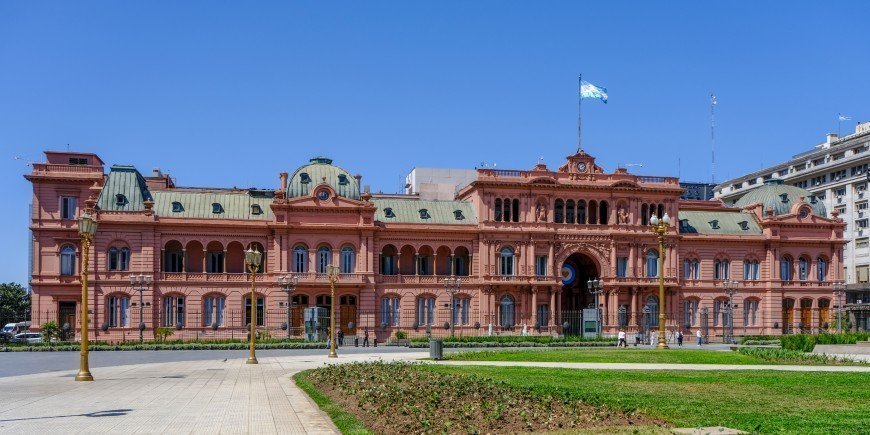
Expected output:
(779, 197)
(320, 170)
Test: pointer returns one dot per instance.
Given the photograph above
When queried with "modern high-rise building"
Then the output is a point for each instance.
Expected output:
(836, 173)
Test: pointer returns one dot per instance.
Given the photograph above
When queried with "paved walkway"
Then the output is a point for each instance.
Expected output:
(644, 366)
(209, 396)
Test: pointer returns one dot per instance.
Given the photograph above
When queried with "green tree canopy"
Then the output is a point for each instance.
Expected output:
(14, 302)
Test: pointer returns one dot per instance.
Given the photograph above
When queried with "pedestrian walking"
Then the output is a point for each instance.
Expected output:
(637, 338)
(340, 338)
(680, 338)
(366, 337)
(622, 342)
(698, 335)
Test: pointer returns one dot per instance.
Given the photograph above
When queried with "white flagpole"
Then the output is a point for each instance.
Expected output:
(579, 113)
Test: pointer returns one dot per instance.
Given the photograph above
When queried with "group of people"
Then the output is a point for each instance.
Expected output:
(638, 338)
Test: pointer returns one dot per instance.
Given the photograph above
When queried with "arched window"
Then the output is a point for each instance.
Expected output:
(652, 264)
(498, 209)
(213, 310)
(261, 313)
(581, 212)
(113, 258)
(324, 259)
(124, 258)
(821, 269)
(803, 268)
(652, 302)
(67, 260)
(506, 263)
(690, 312)
(644, 214)
(118, 311)
(516, 210)
(593, 213)
(559, 212)
(750, 270)
(824, 313)
(300, 259)
(506, 311)
(719, 312)
(173, 260)
(461, 311)
(390, 310)
(118, 259)
(569, 211)
(602, 213)
(506, 211)
(785, 268)
(425, 310)
(348, 259)
(691, 269)
(750, 312)
(721, 269)
(173, 310)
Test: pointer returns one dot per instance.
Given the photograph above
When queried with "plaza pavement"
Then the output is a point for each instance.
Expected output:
(215, 395)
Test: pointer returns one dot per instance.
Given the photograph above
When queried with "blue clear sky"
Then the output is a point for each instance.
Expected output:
(232, 93)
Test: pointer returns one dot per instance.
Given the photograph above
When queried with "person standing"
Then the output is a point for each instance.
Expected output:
(366, 337)
(698, 335)
(622, 342)
(340, 338)
(679, 338)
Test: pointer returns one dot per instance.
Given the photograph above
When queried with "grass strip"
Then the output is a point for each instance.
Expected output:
(346, 422)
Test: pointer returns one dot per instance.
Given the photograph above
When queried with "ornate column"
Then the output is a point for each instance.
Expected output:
(534, 306)
(312, 260)
(416, 263)
(632, 259)
(224, 265)
(550, 259)
(552, 307)
(204, 260)
(434, 263)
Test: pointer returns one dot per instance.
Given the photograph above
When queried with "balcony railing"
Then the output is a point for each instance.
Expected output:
(55, 168)
(419, 279)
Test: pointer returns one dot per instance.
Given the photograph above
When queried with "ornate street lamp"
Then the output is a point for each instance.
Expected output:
(660, 228)
(731, 289)
(595, 288)
(252, 260)
(451, 285)
(87, 230)
(839, 291)
(140, 283)
(289, 283)
(332, 273)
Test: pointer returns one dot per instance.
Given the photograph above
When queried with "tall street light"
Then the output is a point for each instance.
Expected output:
(731, 289)
(87, 230)
(332, 274)
(660, 228)
(595, 288)
(140, 283)
(452, 285)
(289, 283)
(252, 260)
(839, 291)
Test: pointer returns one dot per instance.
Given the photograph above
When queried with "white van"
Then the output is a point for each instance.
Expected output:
(13, 329)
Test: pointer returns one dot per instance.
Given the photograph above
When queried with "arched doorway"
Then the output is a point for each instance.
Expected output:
(576, 271)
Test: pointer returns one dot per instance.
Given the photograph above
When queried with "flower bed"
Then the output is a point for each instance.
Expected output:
(403, 398)
(54, 347)
(421, 345)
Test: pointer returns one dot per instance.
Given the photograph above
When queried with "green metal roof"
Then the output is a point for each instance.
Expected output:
(728, 222)
(124, 180)
(198, 204)
(407, 210)
(318, 171)
(771, 196)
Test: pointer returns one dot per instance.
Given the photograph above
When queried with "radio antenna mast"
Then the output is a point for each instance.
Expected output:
(713, 104)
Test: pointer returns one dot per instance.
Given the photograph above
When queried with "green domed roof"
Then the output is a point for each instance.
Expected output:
(780, 198)
(320, 170)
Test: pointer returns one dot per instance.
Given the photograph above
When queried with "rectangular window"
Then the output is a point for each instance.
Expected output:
(215, 262)
(68, 207)
(213, 311)
(862, 272)
(690, 313)
(388, 265)
(541, 265)
(173, 311)
(862, 243)
(622, 267)
(390, 311)
(750, 313)
(543, 315)
(261, 314)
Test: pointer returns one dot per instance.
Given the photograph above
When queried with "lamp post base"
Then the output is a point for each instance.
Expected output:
(332, 354)
(662, 346)
(251, 360)
(84, 375)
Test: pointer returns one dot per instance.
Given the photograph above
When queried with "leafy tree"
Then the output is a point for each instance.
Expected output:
(14, 302)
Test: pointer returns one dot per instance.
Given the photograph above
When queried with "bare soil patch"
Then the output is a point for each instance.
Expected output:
(404, 398)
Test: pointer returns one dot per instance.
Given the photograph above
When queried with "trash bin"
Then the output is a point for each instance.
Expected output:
(436, 349)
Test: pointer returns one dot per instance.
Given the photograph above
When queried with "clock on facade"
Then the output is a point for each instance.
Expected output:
(581, 167)
(323, 195)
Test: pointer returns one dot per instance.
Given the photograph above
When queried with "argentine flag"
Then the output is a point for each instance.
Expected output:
(588, 90)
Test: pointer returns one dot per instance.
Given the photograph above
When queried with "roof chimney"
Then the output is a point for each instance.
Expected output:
(831, 137)
(156, 173)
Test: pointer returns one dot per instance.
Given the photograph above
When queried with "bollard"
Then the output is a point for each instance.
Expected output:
(436, 349)
(356, 342)
(376, 342)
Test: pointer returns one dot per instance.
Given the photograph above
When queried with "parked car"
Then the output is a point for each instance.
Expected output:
(28, 337)
(12, 329)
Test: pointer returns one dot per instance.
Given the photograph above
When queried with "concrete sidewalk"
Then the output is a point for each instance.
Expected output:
(645, 366)
(210, 396)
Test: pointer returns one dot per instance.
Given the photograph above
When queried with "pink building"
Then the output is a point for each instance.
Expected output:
(524, 244)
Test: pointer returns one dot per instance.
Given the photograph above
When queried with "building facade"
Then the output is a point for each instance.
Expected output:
(523, 245)
(836, 173)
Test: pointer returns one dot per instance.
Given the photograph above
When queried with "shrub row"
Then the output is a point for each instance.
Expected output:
(518, 339)
(795, 356)
(760, 342)
(162, 346)
(419, 345)
(807, 342)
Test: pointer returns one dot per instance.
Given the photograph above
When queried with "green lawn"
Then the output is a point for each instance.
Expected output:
(778, 402)
(672, 356)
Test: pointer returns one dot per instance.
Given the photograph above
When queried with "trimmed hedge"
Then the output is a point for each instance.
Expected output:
(807, 342)
(162, 346)
(418, 345)
(796, 357)
(543, 339)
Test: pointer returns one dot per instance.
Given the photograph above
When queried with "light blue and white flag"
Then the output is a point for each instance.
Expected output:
(842, 117)
(588, 90)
